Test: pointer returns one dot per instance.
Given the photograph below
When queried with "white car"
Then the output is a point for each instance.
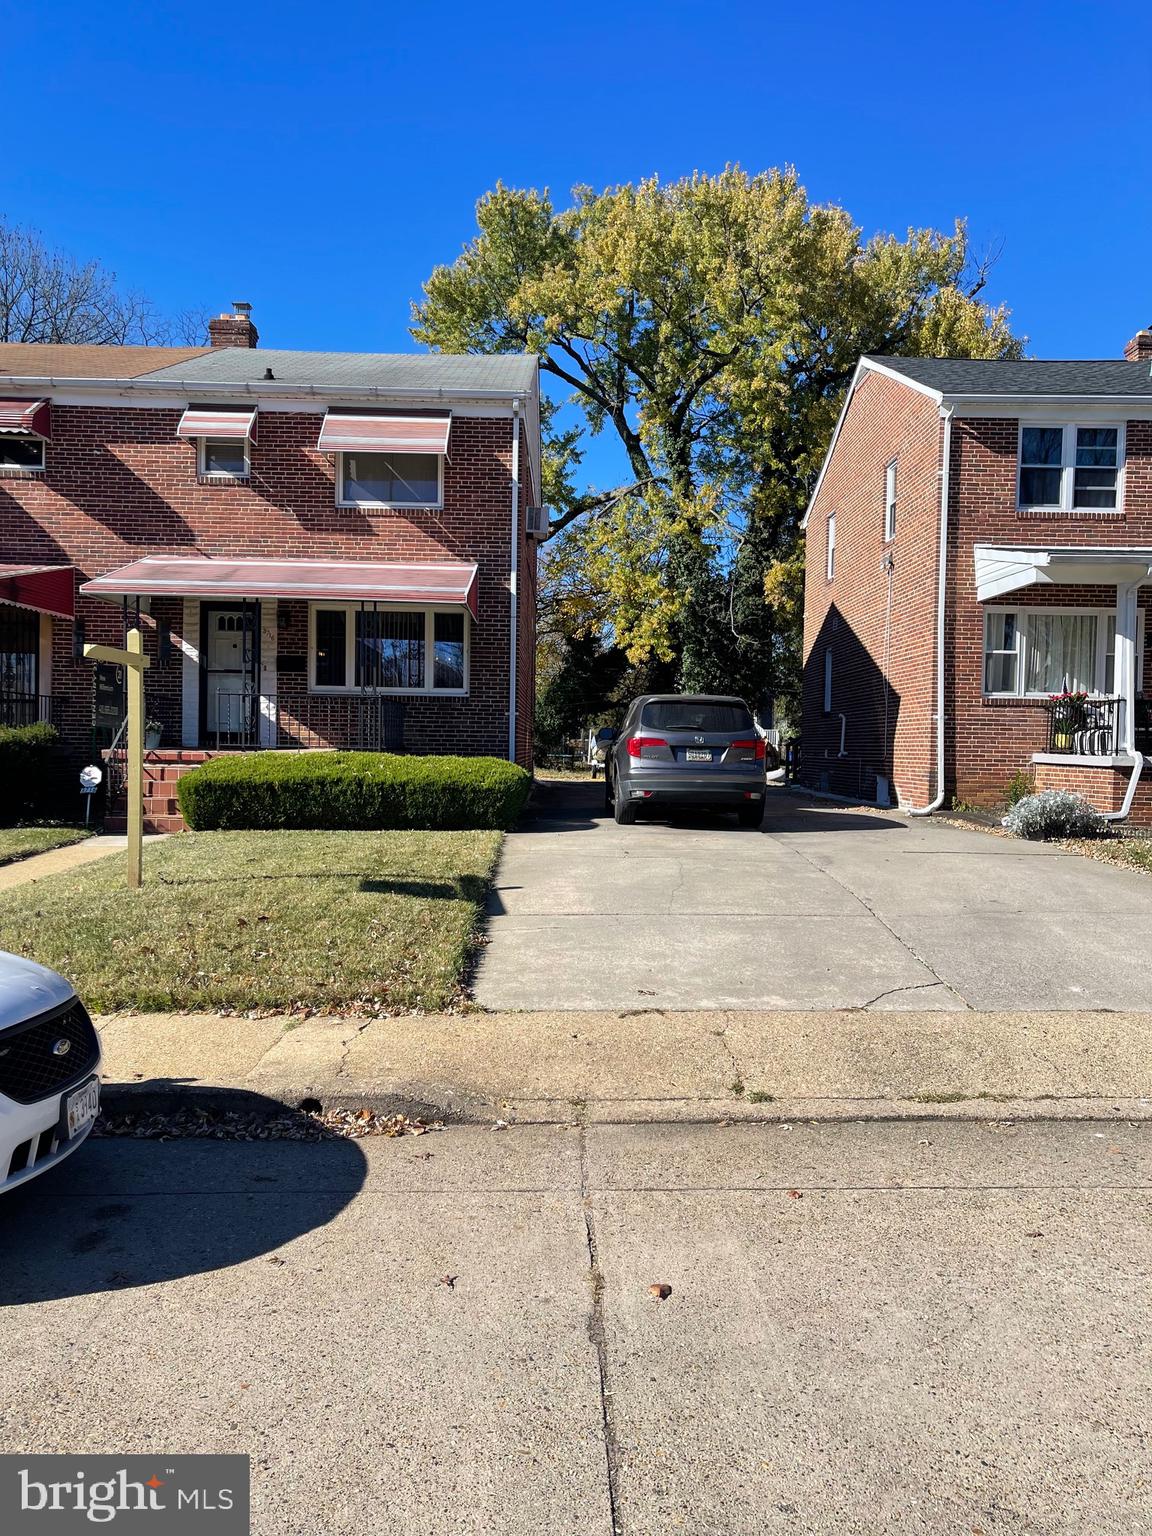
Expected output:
(49, 1070)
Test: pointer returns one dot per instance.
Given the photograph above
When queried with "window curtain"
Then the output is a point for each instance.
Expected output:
(1061, 652)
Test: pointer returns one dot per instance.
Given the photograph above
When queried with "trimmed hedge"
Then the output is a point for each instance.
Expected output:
(335, 791)
(26, 767)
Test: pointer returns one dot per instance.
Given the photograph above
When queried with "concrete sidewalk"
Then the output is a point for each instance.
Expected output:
(651, 1066)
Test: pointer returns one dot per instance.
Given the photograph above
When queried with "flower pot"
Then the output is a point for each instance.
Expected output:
(152, 739)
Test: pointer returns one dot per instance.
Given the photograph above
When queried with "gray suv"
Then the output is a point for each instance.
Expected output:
(690, 750)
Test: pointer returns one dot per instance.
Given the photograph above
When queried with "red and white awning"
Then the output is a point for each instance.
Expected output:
(42, 588)
(343, 432)
(33, 417)
(206, 421)
(433, 583)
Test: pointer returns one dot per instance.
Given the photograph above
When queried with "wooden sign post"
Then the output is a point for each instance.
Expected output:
(134, 661)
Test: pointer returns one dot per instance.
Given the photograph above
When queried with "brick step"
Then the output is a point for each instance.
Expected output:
(161, 805)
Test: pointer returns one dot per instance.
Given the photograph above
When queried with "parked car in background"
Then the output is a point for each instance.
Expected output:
(49, 1070)
(700, 750)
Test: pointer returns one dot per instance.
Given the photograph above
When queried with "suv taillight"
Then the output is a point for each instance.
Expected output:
(756, 746)
(636, 744)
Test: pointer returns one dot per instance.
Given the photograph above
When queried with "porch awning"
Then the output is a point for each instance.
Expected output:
(206, 421)
(343, 432)
(1011, 567)
(32, 417)
(43, 588)
(444, 583)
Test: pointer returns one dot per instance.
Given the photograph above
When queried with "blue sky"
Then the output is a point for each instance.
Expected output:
(318, 161)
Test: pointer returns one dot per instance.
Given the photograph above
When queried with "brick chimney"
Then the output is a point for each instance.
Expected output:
(237, 330)
(1139, 349)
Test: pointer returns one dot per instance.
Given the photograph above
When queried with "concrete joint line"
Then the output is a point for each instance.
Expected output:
(598, 1339)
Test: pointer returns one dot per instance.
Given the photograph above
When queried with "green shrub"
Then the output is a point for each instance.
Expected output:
(333, 791)
(26, 754)
(1020, 784)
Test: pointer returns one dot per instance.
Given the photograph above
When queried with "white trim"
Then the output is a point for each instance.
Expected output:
(395, 506)
(514, 589)
(1001, 569)
(894, 373)
(188, 644)
(1068, 428)
(830, 547)
(269, 613)
(1025, 611)
(1080, 760)
(350, 685)
(890, 475)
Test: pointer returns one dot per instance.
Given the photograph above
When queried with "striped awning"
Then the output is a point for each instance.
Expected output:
(212, 421)
(430, 583)
(343, 432)
(42, 588)
(33, 417)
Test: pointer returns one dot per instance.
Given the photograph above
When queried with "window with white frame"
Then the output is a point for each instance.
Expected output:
(1036, 652)
(391, 479)
(226, 457)
(828, 680)
(890, 501)
(1070, 467)
(19, 451)
(395, 650)
(830, 548)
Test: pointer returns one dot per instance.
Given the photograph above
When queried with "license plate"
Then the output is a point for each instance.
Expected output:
(81, 1106)
(697, 757)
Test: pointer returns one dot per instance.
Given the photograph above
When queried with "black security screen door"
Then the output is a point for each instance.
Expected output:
(229, 672)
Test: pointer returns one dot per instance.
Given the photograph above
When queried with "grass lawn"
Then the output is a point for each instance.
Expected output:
(342, 921)
(23, 842)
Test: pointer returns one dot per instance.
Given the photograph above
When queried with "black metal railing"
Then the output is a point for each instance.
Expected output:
(254, 720)
(27, 708)
(1083, 727)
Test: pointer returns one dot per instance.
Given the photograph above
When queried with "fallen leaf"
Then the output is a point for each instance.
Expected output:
(1033, 1234)
(795, 1194)
(660, 1291)
(449, 1281)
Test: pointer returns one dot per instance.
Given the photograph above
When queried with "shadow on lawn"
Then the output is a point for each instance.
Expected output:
(124, 1212)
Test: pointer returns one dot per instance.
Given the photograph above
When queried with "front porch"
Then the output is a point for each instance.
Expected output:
(1082, 663)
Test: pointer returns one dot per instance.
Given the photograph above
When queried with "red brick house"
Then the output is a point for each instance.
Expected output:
(979, 573)
(322, 549)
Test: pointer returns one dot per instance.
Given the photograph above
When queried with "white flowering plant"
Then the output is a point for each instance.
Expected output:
(1054, 813)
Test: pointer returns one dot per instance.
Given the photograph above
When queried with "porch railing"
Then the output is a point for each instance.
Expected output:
(1084, 727)
(251, 720)
(26, 708)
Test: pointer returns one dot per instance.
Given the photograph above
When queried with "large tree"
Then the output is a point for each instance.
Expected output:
(712, 325)
(50, 296)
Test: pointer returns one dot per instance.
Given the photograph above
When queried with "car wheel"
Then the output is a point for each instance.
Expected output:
(624, 812)
(750, 815)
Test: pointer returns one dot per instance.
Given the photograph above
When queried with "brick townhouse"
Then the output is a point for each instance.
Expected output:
(321, 549)
(979, 560)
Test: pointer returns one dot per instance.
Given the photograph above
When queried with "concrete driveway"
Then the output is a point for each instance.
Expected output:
(824, 907)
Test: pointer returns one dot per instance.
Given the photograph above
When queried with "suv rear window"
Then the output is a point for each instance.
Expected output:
(696, 715)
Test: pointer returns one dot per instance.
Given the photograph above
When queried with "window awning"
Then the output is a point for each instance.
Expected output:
(33, 417)
(343, 432)
(204, 421)
(42, 588)
(1011, 567)
(445, 583)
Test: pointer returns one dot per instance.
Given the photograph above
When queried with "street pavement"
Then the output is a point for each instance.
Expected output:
(826, 907)
(915, 1327)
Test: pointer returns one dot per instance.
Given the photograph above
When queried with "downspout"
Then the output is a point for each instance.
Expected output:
(514, 587)
(1127, 606)
(942, 580)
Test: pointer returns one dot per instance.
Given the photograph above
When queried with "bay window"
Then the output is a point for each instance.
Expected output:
(1036, 652)
(394, 650)
(1070, 468)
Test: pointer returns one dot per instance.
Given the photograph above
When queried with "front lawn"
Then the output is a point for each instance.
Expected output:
(335, 921)
(23, 842)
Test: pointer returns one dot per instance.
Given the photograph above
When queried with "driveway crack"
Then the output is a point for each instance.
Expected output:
(598, 1338)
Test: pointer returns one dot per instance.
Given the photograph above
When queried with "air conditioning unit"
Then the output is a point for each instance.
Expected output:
(536, 522)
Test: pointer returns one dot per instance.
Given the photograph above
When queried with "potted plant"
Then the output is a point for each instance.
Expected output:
(1070, 714)
(153, 731)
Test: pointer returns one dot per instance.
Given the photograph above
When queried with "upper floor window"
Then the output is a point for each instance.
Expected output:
(225, 456)
(1070, 468)
(20, 452)
(830, 553)
(890, 501)
(391, 480)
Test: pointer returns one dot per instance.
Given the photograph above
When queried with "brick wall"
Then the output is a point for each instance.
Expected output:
(119, 484)
(879, 624)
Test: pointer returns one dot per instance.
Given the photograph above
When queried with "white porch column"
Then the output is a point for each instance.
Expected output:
(1127, 619)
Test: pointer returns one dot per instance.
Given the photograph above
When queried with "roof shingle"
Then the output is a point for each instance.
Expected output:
(1024, 376)
(44, 360)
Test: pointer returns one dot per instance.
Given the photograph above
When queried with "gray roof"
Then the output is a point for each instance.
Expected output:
(1024, 376)
(431, 371)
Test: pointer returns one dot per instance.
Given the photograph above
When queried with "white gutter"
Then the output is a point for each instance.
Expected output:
(220, 389)
(942, 580)
(514, 586)
(1129, 794)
